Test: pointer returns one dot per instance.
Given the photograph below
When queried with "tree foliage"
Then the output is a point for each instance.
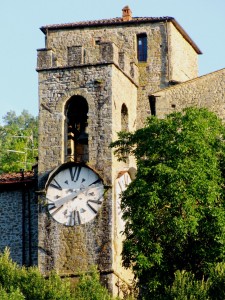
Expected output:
(18, 141)
(18, 283)
(30, 283)
(89, 287)
(186, 287)
(174, 208)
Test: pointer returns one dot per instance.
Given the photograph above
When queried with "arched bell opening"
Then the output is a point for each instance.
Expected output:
(76, 113)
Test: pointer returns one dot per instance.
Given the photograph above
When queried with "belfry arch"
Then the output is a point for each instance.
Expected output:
(76, 140)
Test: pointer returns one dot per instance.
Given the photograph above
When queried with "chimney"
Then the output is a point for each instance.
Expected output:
(127, 14)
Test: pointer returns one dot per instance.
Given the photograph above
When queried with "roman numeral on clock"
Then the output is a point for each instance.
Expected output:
(95, 201)
(51, 206)
(74, 218)
(57, 210)
(92, 204)
(55, 184)
(121, 188)
(77, 220)
(75, 173)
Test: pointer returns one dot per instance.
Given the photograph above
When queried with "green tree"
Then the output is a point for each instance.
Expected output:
(12, 295)
(186, 287)
(174, 208)
(18, 141)
(18, 283)
(30, 283)
(89, 287)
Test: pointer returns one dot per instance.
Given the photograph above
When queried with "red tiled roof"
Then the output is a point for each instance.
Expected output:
(103, 22)
(119, 21)
(8, 178)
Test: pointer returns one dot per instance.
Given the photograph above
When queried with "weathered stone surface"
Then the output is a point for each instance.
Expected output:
(205, 91)
(170, 56)
(18, 224)
(100, 64)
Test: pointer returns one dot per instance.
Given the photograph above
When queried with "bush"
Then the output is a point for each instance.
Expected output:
(217, 282)
(89, 287)
(186, 287)
(31, 282)
(19, 283)
(13, 295)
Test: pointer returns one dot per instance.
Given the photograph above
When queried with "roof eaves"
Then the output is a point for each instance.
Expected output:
(104, 22)
(119, 21)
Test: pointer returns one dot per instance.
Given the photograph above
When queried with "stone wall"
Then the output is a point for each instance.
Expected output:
(153, 74)
(18, 226)
(183, 61)
(123, 93)
(205, 91)
(68, 250)
(63, 248)
(105, 87)
(94, 84)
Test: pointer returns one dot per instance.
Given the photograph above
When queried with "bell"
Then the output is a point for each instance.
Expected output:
(83, 138)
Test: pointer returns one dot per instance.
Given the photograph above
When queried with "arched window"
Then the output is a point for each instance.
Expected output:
(124, 118)
(142, 47)
(77, 122)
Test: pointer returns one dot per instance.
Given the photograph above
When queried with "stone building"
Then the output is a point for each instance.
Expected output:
(97, 78)
(205, 91)
(19, 217)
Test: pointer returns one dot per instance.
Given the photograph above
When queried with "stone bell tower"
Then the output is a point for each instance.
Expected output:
(88, 92)
(94, 80)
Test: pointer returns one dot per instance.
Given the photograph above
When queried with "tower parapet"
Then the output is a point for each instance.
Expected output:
(78, 56)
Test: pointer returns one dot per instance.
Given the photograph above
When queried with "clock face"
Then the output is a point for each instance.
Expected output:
(122, 183)
(74, 195)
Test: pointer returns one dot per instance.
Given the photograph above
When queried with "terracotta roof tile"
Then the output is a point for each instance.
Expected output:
(113, 21)
(15, 177)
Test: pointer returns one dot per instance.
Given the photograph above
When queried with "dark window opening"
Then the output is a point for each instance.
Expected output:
(125, 127)
(97, 40)
(124, 118)
(152, 105)
(77, 122)
(142, 47)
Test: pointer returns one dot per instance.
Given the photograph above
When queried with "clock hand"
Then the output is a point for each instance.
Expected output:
(66, 199)
(96, 181)
(71, 196)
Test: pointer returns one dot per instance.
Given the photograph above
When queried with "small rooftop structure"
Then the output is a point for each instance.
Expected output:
(126, 13)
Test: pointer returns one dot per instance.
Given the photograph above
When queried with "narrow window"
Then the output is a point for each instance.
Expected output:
(142, 47)
(152, 105)
(125, 126)
(77, 137)
(124, 118)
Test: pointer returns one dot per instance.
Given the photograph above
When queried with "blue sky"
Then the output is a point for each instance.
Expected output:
(20, 20)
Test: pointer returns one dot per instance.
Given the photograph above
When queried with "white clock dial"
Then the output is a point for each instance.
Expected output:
(122, 183)
(74, 195)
